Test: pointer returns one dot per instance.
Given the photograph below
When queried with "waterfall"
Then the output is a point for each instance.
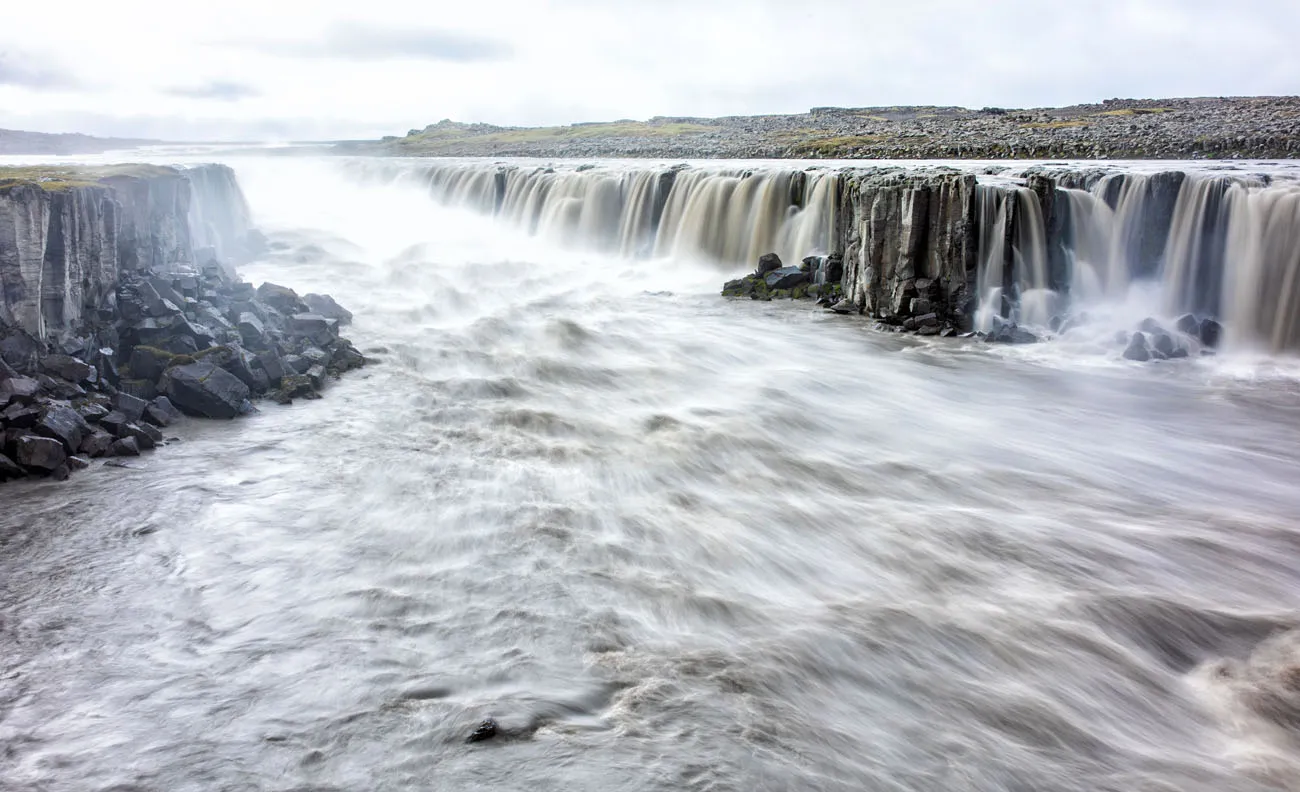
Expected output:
(1262, 287)
(730, 216)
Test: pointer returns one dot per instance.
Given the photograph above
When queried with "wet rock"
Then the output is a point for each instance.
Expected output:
(320, 330)
(928, 330)
(125, 447)
(20, 351)
(785, 278)
(1011, 334)
(77, 463)
(149, 363)
(1163, 344)
(920, 306)
(161, 412)
(1180, 352)
(296, 386)
(1150, 326)
(296, 364)
(1210, 332)
(130, 406)
(21, 416)
(115, 422)
(22, 390)
(69, 368)
(1137, 349)
(41, 454)
(139, 388)
(1188, 324)
(92, 412)
(845, 306)
(317, 376)
(768, 262)
(251, 330)
(146, 437)
(273, 365)
(484, 731)
(96, 444)
(9, 469)
(346, 358)
(281, 298)
(65, 425)
(243, 364)
(324, 305)
(205, 389)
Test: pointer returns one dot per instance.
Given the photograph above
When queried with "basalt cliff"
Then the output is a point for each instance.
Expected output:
(120, 311)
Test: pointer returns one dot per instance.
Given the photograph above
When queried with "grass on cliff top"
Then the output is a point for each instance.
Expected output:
(449, 138)
(55, 177)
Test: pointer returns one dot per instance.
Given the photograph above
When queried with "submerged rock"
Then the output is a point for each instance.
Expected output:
(1211, 332)
(484, 731)
(1188, 324)
(1137, 349)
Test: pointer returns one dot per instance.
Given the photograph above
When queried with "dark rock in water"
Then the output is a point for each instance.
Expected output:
(115, 422)
(1211, 332)
(61, 472)
(161, 412)
(77, 463)
(69, 368)
(92, 412)
(927, 320)
(928, 330)
(144, 435)
(325, 306)
(1180, 352)
(769, 262)
(785, 278)
(125, 447)
(1011, 334)
(920, 306)
(1187, 323)
(22, 390)
(65, 425)
(1151, 326)
(130, 406)
(9, 469)
(1137, 349)
(1164, 344)
(317, 376)
(296, 386)
(203, 388)
(484, 731)
(834, 269)
(1056, 323)
(40, 453)
(346, 358)
(96, 444)
(845, 306)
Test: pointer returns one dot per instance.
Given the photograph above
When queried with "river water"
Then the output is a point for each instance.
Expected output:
(667, 541)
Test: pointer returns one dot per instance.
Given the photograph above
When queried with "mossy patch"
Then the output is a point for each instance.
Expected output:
(55, 178)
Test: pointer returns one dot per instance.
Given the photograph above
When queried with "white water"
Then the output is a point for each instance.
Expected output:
(667, 540)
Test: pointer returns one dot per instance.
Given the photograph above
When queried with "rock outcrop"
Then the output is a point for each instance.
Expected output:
(114, 324)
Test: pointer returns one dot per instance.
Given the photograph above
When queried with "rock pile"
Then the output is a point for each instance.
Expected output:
(182, 342)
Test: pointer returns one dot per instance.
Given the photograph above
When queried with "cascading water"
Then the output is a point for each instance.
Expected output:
(730, 216)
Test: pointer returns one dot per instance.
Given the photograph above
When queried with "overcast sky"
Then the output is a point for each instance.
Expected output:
(316, 69)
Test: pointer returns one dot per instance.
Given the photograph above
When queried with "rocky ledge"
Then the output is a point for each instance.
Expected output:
(818, 278)
(111, 329)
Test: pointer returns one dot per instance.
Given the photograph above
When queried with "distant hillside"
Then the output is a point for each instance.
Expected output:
(13, 141)
(1209, 128)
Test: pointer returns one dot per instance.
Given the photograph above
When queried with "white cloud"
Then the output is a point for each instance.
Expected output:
(301, 69)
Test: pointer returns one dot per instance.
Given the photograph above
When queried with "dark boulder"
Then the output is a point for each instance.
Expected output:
(92, 411)
(161, 412)
(139, 388)
(1137, 349)
(1150, 326)
(845, 306)
(65, 425)
(281, 298)
(243, 364)
(21, 416)
(324, 305)
(769, 262)
(69, 368)
(22, 390)
(20, 350)
(1164, 345)
(346, 358)
(96, 444)
(1211, 333)
(77, 463)
(1011, 334)
(130, 406)
(484, 731)
(9, 469)
(40, 453)
(785, 278)
(297, 386)
(251, 330)
(125, 447)
(273, 365)
(320, 330)
(1188, 324)
(204, 388)
(144, 435)
(149, 363)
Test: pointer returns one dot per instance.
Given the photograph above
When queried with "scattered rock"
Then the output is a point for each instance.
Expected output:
(161, 412)
(69, 368)
(65, 425)
(785, 278)
(324, 305)
(1188, 324)
(125, 447)
(1211, 332)
(205, 389)
(130, 406)
(1164, 345)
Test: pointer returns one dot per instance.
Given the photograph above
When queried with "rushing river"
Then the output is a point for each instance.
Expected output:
(668, 541)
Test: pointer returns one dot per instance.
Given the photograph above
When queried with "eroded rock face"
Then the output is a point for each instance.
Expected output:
(900, 230)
